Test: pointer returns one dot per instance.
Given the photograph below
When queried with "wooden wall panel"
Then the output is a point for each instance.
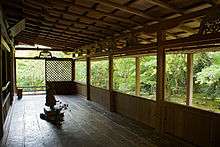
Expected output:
(81, 89)
(196, 126)
(62, 88)
(100, 96)
(139, 109)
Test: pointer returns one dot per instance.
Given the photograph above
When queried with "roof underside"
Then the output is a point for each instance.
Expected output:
(69, 24)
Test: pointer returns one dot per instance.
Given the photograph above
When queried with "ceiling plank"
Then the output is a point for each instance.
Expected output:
(164, 5)
(124, 8)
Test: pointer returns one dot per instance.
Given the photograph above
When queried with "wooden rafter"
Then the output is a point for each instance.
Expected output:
(124, 8)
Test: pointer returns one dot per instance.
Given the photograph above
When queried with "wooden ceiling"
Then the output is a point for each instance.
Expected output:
(69, 24)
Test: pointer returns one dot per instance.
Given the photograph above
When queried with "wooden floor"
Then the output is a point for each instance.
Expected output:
(85, 125)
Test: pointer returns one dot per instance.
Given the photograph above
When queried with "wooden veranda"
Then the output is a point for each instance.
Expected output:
(92, 29)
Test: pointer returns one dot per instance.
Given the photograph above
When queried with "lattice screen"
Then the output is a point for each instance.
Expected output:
(58, 70)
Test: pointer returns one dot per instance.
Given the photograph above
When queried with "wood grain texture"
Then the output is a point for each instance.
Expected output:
(86, 125)
(191, 124)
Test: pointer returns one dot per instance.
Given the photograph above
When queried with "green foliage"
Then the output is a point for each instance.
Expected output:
(175, 75)
(99, 73)
(124, 75)
(148, 76)
(30, 73)
(80, 74)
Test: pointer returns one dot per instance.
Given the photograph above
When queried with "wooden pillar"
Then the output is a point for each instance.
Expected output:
(189, 80)
(110, 84)
(161, 58)
(88, 76)
(73, 68)
(138, 77)
(1, 103)
(12, 73)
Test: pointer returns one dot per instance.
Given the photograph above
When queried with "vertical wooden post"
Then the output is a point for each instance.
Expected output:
(1, 109)
(110, 83)
(73, 68)
(189, 80)
(161, 58)
(12, 73)
(15, 76)
(138, 78)
(88, 76)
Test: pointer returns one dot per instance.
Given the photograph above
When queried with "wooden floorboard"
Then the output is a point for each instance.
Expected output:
(86, 125)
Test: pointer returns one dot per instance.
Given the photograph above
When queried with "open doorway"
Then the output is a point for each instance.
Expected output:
(30, 76)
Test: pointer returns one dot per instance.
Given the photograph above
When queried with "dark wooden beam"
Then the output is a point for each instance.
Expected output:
(124, 8)
(164, 5)
(112, 104)
(106, 14)
(40, 49)
(160, 93)
(189, 80)
(137, 77)
(88, 78)
(1, 101)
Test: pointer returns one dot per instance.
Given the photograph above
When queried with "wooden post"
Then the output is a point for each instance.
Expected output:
(138, 78)
(189, 80)
(110, 83)
(73, 68)
(161, 62)
(12, 73)
(88, 76)
(1, 103)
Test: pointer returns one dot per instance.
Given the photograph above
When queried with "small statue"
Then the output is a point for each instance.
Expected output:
(54, 113)
(50, 99)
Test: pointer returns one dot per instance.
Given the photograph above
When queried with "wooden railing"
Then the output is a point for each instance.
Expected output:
(6, 93)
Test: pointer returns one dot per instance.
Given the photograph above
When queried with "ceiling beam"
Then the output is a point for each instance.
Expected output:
(93, 33)
(124, 8)
(164, 5)
(29, 5)
(121, 19)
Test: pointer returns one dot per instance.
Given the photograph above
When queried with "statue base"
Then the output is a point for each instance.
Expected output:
(54, 116)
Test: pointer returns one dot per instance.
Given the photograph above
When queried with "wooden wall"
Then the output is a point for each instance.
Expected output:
(100, 96)
(6, 72)
(62, 88)
(80, 89)
(193, 125)
(137, 108)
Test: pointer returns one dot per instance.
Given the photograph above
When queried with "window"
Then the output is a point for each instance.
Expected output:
(99, 73)
(148, 67)
(30, 74)
(80, 74)
(176, 78)
(124, 75)
(206, 88)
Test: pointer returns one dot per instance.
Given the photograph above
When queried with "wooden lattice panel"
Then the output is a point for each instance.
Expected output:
(58, 70)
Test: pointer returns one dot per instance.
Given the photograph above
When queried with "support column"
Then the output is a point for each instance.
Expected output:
(12, 74)
(1, 109)
(161, 58)
(138, 78)
(189, 80)
(88, 76)
(73, 68)
(110, 83)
